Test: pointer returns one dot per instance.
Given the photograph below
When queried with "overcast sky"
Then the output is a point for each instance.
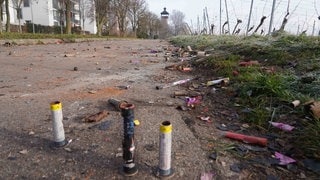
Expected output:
(303, 13)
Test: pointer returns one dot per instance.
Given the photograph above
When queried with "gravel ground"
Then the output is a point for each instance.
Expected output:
(83, 76)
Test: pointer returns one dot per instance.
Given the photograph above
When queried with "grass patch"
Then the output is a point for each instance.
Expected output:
(261, 94)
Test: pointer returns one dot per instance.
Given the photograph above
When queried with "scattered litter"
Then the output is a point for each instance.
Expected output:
(96, 117)
(124, 87)
(23, 151)
(222, 81)
(67, 149)
(174, 84)
(92, 92)
(235, 73)
(284, 160)
(136, 122)
(182, 108)
(236, 167)
(313, 108)
(282, 126)
(247, 147)
(222, 127)
(31, 133)
(213, 156)
(207, 176)
(192, 101)
(245, 126)
(232, 127)
(205, 118)
(180, 93)
(295, 103)
(213, 90)
(201, 53)
(245, 138)
(248, 63)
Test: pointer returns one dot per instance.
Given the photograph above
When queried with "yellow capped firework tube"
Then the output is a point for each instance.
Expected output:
(129, 167)
(165, 169)
(58, 130)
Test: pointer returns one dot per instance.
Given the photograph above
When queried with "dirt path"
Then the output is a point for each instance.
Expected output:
(33, 76)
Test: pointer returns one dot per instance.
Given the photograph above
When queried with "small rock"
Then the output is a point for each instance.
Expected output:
(69, 55)
(170, 103)
(31, 133)
(75, 68)
(67, 149)
(11, 157)
(245, 126)
(23, 151)
(213, 156)
(302, 175)
(92, 92)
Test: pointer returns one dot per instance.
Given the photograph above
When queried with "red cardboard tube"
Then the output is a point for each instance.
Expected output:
(246, 139)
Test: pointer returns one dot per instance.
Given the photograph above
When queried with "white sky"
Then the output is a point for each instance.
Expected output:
(303, 13)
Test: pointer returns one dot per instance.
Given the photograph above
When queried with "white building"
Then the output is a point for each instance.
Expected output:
(48, 13)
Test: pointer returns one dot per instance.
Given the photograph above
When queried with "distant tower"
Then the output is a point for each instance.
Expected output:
(164, 30)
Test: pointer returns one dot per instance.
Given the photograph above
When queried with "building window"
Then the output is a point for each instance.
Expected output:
(26, 3)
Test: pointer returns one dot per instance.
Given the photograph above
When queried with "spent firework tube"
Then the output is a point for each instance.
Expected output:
(246, 139)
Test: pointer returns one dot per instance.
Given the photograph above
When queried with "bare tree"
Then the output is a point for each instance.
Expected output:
(68, 5)
(284, 22)
(260, 24)
(136, 9)
(1, 17)
(8, 16)
(223, 27)
(99, 11)
(121, 8)
(83, 8)
(148, 25)
(65, 14)
(235, 28)
(177, 18)
(17, 6)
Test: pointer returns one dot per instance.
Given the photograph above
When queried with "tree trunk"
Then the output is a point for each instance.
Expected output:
(20, 29)
(8, 16)
(68, 16)
(1, 18)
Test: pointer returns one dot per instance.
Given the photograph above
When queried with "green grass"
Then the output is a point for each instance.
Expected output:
(261, 94)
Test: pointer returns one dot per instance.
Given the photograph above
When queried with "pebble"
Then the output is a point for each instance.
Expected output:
(119, 155)
(23, 151)
(67, 149)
